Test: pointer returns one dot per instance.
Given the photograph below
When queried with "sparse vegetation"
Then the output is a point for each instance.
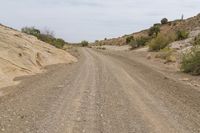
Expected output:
(153, 31)
(196, 41)
(167, 55)
(59, 43)
(31, 31)
(133, 44)
(139, 42)
(101, 48)
(191, 61)
(142, 41)
(47, 36)
(160, 42)
(129, 39)
(164, 21)
(84, 43)
(182, 34)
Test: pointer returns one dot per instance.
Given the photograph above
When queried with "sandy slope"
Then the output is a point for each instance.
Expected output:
(21, 54)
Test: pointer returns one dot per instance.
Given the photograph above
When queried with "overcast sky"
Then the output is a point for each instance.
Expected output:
(76, 20)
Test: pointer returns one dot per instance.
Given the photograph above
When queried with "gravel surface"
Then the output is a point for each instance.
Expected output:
(105, 92)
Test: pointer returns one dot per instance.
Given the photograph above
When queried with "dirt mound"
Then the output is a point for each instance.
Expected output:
(22, 54)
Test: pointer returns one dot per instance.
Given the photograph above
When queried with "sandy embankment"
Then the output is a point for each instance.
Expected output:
(21, 54)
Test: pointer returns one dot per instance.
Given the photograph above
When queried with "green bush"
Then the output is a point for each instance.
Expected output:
(196, 40)
(84, 43)
(47, 37)
(59, 43)
(167, 55)
(191, 61)
(139, 42)
(182, 34)
(153, 31)
(160, 42)
(129, 39)
(142, 41)
(31, 31)
(133, 44)
(157, 24)
(164, 21)
(101, 48)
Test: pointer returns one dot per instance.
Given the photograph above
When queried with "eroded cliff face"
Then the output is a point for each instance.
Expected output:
(22, 54)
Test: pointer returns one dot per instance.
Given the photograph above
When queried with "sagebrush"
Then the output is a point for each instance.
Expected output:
(154, 30)
(84, 43)
(139, 42)
(47, 37)
(191, 61)
(182, 34)
(161, 41)
(196, 41)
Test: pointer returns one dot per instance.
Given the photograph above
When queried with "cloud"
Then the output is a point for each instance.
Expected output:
(77, 20)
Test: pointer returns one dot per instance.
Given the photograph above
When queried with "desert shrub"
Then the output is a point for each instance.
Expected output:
(166, 54)
(157, 24)
(101, 48)
(47, 36)
(160, 42)
(133, 44)
(142, 41)
(59, 43)
(196, 40)
(164, 21)
(129, 39)
(191, 61)
(182, 34)
(84, 43)
(31, 31)
(139, 42)
(153, 31)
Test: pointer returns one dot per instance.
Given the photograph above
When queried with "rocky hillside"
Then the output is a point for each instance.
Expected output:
(22, 54)
(187, 24)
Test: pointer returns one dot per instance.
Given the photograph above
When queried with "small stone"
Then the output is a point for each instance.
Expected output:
(78, 119)
(60, 86)
(22, 116)
(196, 85)
(149, 56)
(184, 79)
(165, 77)
(3, 129)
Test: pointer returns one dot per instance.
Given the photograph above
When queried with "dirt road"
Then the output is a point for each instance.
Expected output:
(102, 93)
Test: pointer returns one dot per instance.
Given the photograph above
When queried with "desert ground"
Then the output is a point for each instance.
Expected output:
(106, 91)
